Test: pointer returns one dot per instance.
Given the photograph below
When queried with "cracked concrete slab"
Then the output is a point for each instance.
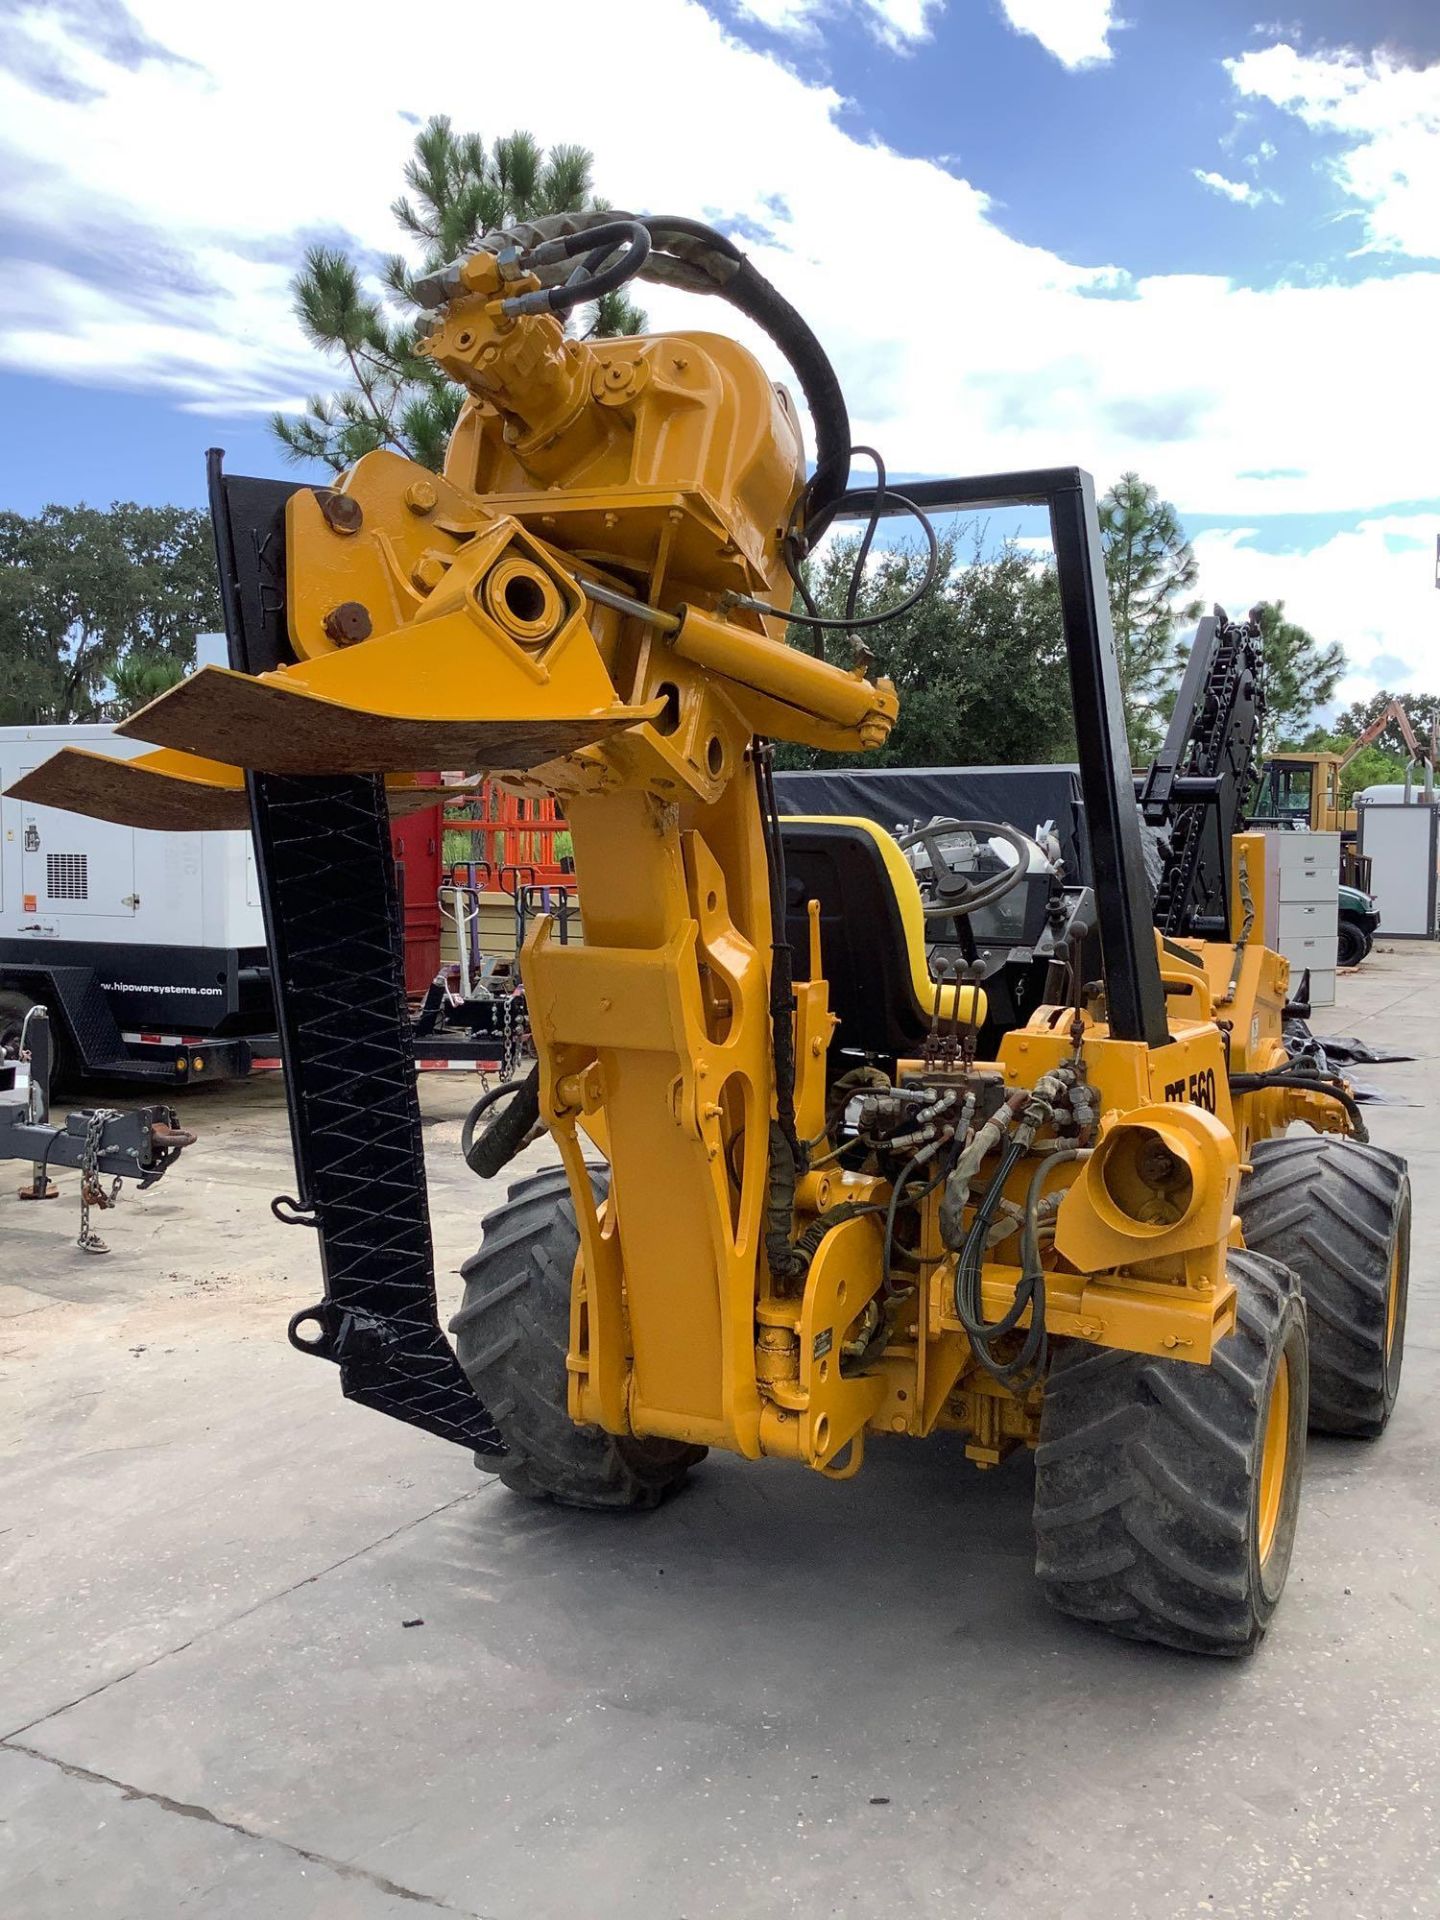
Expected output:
(774, 1697)
(696, 1713)
(74, 1843)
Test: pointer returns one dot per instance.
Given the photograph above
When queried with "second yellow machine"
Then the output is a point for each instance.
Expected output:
(812, 1191)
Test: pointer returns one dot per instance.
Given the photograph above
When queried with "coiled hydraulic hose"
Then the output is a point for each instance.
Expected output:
(1017, 1131)
(592, 279)
(689, 254)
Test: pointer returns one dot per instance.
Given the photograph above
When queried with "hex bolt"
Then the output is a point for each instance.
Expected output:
(427, 573)
(341, 510)
(421, 497)
(347, 623)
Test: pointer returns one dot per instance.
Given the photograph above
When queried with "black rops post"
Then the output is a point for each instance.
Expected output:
(1134, 992)
(335, 935)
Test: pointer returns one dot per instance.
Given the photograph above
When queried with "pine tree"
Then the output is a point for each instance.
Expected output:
(1149, 564)
(1300, 674)
(457, 191)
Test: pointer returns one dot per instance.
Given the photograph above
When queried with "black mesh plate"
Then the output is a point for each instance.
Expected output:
(333, 926)
(323, 847)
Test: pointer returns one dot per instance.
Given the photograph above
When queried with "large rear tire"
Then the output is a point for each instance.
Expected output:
(1166, 1494)
(1338, 1213)
(512, 1334)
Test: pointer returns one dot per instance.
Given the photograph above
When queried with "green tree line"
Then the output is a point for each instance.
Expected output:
(99, 608)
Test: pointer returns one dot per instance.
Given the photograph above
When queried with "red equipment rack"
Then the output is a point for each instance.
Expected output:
(515, 837)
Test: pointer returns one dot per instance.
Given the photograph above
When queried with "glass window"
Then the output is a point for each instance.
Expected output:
(1294, 795)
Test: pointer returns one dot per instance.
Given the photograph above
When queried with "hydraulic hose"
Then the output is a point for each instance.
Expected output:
(689, 254)
(498, 1145)
(1306, 1083)
(1030, 1230)
(843, 1090)
(592, 279)
(957, 1188)
(1013, 1131)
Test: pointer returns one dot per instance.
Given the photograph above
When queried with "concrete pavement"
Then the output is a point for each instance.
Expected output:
(774, 1697)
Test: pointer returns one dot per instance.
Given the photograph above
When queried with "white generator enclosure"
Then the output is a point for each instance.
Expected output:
(1402, 844)
(63, 876)
(122, 931)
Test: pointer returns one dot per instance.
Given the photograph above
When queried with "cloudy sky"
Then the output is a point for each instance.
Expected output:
(1030, 232)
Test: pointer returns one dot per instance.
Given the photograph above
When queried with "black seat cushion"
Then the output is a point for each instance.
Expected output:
(866, 947)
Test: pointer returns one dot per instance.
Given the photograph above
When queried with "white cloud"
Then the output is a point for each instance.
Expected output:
(1077, 32)
(897, 24)
(1371, 588)
(163, 217)
(1389, 117)
(1242, 192)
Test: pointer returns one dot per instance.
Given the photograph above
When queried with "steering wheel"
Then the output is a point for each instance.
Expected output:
(955, 893)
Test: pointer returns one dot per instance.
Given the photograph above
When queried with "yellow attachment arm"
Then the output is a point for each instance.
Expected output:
(498, 667)
(551, 608)
(767, 666)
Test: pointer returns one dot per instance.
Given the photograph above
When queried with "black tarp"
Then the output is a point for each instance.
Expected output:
(1023, 797)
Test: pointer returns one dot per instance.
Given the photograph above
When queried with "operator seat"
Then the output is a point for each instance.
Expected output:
(872, 932)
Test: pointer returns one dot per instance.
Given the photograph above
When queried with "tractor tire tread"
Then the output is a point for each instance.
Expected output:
(1146, 1480)
(1332, 1209)
(512, 1336)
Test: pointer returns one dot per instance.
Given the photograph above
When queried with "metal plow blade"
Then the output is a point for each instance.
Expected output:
(273, 723)
(173, 792)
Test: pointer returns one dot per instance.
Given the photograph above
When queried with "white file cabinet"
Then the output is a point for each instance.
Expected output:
(1302, 906)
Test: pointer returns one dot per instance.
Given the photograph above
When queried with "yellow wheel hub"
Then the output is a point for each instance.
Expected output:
(1392, 1300)
(1274, 1457)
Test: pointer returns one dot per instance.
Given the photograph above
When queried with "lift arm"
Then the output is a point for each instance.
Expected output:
(1424, 754)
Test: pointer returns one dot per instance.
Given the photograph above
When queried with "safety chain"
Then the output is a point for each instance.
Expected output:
(507, 1039)
(92, 1194)
(514, 1037)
